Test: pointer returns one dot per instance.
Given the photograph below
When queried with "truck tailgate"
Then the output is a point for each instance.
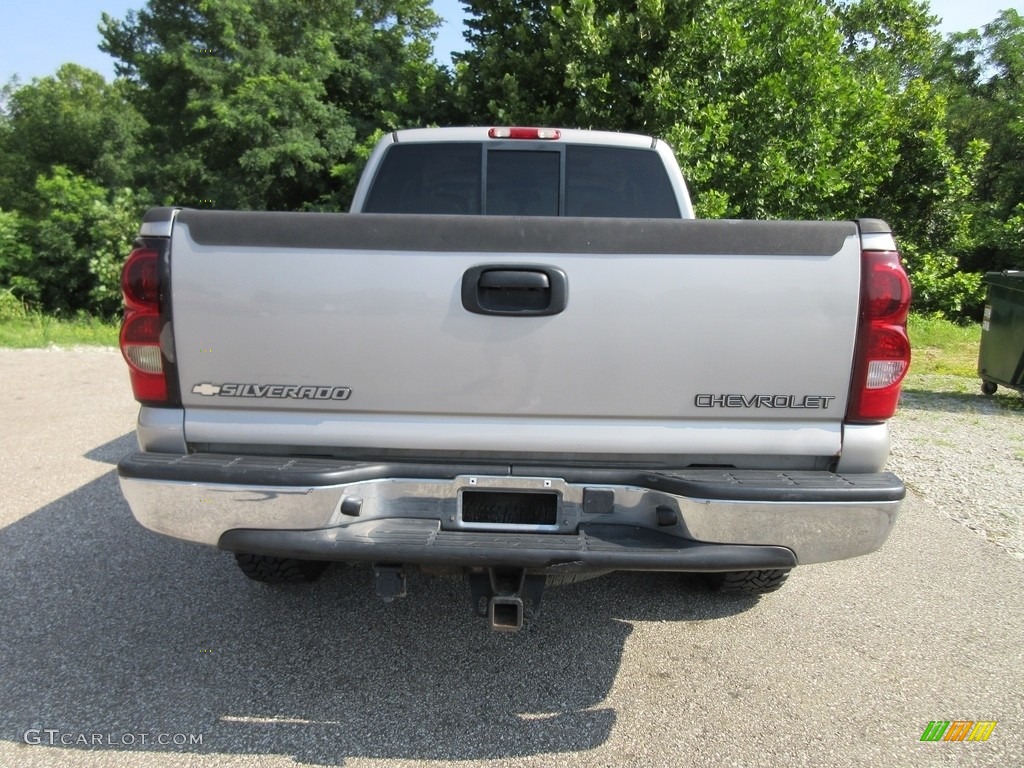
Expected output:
(677, 337)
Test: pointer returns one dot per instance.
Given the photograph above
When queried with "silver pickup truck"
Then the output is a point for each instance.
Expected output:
(522, 359)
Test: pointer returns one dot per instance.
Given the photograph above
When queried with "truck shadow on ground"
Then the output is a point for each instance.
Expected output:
(112, 630)
(1004, 401)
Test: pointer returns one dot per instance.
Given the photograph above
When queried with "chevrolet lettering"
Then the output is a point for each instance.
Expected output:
(763, 401)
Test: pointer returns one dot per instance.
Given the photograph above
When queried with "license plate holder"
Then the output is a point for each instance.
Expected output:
(509, 509)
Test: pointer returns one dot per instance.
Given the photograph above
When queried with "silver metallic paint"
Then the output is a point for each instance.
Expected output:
(156, 228)
(509, 434)
(878, 241)
(633, 347)
(161, 430)
(865, 448)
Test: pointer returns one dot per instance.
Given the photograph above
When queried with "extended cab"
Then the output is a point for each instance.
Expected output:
(520, 357)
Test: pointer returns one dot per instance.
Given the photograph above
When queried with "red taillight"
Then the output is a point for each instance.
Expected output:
(525, 133)
(140, 280)
(140, 331)
(882, 355)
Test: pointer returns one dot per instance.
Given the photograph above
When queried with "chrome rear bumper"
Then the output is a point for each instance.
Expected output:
(687, 520)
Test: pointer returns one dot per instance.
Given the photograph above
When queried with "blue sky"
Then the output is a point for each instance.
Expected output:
(37, 37)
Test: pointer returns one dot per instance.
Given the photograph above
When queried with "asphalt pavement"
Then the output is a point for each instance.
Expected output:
(119, 647)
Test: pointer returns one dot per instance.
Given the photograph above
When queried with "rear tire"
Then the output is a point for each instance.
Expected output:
(279, 570)
(989, 387)
(565, 579)
(747, 582)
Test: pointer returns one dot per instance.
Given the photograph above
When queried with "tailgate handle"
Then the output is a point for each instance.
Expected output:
(516, 280)
(516, 290)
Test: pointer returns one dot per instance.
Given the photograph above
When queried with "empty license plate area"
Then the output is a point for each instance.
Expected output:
(521, 510)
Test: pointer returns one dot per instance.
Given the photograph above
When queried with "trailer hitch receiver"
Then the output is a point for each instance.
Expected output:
(506, 597)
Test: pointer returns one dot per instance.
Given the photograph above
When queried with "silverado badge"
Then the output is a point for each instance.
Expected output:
(275, 391)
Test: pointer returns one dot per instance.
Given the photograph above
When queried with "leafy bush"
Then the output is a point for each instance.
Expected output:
(13, 253)
(11, 307)
(112, 234)
(939, 287)
(68, 258)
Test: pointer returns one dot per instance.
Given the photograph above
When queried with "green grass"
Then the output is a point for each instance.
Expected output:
(35, 330)
(943, 348)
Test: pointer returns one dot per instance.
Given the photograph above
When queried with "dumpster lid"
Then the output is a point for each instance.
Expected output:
(1008, 279)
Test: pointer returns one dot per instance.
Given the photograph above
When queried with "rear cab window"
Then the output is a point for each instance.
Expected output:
(472, 178)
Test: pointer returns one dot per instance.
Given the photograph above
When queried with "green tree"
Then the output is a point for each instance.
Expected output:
(766, 115)
(514, 68)
(983, 74)
(892, 39)
(263, 103)
(929, 197)
(74, 119)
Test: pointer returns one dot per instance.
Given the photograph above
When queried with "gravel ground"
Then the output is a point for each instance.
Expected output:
(963, 453)
(116, 633)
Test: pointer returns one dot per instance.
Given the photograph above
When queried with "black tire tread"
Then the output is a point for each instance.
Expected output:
(565, 579)
(268, 569)
(749, 582)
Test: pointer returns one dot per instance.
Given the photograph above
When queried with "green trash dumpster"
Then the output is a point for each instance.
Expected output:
(1001, 359)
